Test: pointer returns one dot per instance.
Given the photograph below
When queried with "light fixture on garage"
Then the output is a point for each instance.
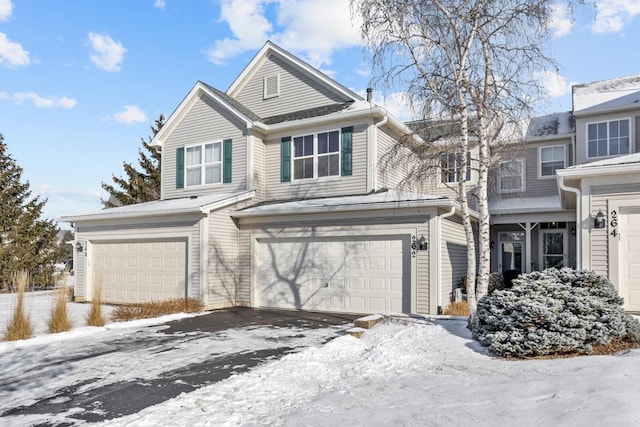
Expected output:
(599, 222)
(79, 247)
(422, 243)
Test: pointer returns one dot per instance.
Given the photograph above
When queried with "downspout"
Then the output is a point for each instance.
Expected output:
(578, 194)
(374, 152)
(439, 284)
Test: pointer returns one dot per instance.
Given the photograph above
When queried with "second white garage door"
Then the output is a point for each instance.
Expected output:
(629, 258)
(355, 275)
(140, 271)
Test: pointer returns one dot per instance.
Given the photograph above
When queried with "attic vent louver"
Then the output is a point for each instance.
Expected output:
(271, 86)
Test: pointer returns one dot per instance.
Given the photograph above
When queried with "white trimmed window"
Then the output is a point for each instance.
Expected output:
(511, 176)
(450, 165)
(204, 164)
(316, 155)
(551, 159)
(609, 138)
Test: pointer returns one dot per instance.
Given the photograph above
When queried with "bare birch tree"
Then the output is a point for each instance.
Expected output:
(468, 62)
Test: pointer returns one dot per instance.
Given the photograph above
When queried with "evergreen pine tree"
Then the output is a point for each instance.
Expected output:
(138, 186)
(27, 242)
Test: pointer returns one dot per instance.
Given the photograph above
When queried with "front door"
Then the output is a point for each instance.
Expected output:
(511, 256)
(554, 245)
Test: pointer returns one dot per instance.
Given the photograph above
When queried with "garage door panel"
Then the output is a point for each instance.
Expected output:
(629, 254)
(363, 274)
(140, 271)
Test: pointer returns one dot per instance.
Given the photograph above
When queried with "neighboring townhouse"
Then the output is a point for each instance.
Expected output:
(604, 184)
(275, 194)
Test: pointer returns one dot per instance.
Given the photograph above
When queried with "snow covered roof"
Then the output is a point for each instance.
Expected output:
(550, 125)
(524, 205)
(619, 165)
(606, 95)
(382, 200)
(186, 205)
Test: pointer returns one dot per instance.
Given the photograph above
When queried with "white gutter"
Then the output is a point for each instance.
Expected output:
(439, 284)
(374, 151)
(300, 210)
(577, 192)
(618, 169)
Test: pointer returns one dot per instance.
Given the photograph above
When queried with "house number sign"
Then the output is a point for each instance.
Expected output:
(613, 223)
(414, 246)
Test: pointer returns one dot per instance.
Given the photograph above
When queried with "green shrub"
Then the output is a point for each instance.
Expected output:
(554, 312)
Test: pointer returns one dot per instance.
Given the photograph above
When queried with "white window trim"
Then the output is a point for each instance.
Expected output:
(265, 94)
(203, 165)
(315, 158)
(523, 181)
(565, 245)
(455, 183)
(631, 137)
(564, 160)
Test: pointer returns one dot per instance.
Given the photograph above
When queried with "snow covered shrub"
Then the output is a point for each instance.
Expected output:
(553, 312)
(496, 282)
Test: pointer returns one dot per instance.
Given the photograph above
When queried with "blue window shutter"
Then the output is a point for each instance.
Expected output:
(285, 159)
(347, 151)
(226, 161)
(180, 167)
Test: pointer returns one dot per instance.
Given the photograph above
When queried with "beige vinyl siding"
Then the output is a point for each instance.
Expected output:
(322, 187)
(79, 271)
(454, 258)
(601, 197)
(422, 273)
(298, 91)
(393, 167)
(222, 265)
(206, 122)
(258, 168)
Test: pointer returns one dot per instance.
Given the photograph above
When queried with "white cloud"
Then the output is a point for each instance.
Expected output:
(554, 84)
(312, 29)
(39, 101)
(107, 54)
(58, 193)
(5, 9)
(12, 54)
(159, 4)
(561, 21)
(613, 15)
(398, 104)
(130, 114)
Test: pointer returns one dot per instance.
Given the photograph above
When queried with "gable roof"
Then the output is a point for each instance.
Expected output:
(555, 125)
(271, 48)
(606, 95)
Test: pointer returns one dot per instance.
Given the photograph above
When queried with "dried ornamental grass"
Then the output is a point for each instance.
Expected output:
(19, 326)
(151, 309)
(457, 308)
(59, 320)
(95, 316)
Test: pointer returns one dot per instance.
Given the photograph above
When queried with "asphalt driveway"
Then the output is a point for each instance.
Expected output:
(122, 371)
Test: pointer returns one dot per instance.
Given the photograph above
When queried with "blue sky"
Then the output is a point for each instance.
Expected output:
(81, 82)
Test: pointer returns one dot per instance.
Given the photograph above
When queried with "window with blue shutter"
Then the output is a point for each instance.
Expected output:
(226, 164)
(180, 167)
(285, 159)
(347, 151)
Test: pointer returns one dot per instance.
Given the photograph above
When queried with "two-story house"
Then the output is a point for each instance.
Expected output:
(274, 195)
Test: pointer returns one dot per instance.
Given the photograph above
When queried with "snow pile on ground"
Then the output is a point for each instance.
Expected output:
(412, 372)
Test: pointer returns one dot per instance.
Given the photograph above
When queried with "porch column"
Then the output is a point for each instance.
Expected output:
(527, 227)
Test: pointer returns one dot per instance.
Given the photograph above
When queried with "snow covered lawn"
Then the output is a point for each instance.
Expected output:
(410, 372)
(413, 373)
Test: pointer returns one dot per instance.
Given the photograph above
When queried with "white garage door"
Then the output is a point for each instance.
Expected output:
(140, 271)
(353, 275)
(629, 254)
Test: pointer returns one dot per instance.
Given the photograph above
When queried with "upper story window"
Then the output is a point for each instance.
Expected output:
(271, 86)
(608, 138)
(204, 164)
(316, 155)
(450, 165)
(551, 159)
(511, 176)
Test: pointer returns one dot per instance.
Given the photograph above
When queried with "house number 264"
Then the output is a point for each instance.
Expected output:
(613, 223)
(414, 246)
